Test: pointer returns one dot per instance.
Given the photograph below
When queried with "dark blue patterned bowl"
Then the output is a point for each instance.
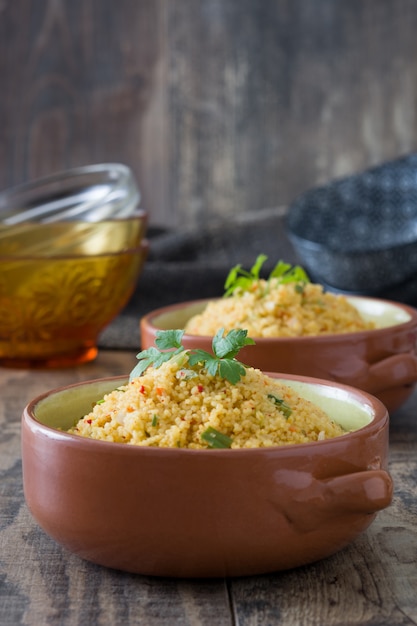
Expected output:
(359, 233)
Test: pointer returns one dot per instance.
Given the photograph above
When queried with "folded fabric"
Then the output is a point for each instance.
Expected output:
(188, 265)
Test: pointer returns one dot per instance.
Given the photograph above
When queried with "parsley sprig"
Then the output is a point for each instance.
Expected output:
(222, 362)
(241, 279)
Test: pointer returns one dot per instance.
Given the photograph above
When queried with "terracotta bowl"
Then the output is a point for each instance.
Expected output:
(205, 513)
(382, 361)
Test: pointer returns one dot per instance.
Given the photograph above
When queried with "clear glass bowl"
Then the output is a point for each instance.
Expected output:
(89, 193)
(71, 250)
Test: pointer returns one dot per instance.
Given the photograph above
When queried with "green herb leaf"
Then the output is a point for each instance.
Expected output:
(225, 348)
(169, 339)
(221, 363)
(151, 356)
(283, 406)
(240, 279)
(231, 370)
(289, 274)
(205, 359)
(216, 439)
(228, 346)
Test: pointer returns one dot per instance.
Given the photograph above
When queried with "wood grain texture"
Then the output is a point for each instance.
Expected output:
(77, 80)
(372, 582)
(220, 108)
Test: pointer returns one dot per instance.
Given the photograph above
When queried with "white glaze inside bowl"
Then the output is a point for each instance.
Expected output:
(383, 313)
(348, 411)
(62, 409)
(65, 407)
(178, 317)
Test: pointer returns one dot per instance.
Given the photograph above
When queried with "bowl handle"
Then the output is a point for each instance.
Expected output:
(394, 371)
(362, 492)
(359, 493)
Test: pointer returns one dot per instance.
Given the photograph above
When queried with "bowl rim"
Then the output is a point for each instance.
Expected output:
(142, 247)
(123, 171)
(139, 214)
(147, 321)
(379, 419)
(120, 195)
(313, 245)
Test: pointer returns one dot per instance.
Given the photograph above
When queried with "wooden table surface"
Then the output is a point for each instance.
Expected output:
(371, 582)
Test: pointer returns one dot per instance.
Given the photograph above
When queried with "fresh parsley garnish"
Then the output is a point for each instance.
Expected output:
(238, 277)
(167, 340)
(222, 362)
(241, 279)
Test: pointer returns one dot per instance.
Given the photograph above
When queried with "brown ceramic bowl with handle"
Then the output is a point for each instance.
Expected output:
(382, 361)
(205, 513)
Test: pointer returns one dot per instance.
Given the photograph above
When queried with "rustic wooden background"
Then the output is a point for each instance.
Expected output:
(221, 107)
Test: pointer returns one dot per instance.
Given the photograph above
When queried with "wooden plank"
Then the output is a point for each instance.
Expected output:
(373, 581)
(271, 98)
(79, 82)
(220, 108)
(40, 582)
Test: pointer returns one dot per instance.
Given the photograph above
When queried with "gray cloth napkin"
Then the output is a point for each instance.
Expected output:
(190, 265)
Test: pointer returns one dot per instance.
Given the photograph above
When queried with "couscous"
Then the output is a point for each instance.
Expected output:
(283, 305)
(180, 404)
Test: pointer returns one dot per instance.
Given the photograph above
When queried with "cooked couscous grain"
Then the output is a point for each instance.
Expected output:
(177, 406)
(272, 309)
